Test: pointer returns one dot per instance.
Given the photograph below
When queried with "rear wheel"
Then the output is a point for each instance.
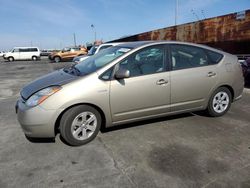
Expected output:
(219, 102)
(34, 58)
(10, 59)
(57, 59)
(80, 125)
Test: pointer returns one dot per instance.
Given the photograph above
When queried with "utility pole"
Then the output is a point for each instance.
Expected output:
(74, 39)
(176, 11)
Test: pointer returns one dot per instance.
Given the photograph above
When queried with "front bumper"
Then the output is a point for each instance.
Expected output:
(50, 57)
(36, 121)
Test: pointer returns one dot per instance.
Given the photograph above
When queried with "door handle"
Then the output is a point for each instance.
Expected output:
(161, 82)
(211, 74)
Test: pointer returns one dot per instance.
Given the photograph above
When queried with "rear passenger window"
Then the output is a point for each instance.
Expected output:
(24, 50)
(214, 57)
(185, 56)
(147, 61)
(33, 50)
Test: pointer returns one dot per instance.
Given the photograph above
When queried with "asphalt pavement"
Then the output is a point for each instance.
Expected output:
(188, 150)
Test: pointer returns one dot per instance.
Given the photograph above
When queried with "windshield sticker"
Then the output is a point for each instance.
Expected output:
(124, 50)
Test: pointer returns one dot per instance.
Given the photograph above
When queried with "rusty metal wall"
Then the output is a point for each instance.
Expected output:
(213, 31)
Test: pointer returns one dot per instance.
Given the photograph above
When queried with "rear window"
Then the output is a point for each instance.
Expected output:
(214, 57)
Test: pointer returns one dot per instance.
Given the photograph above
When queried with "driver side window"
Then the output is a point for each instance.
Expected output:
(16, 50)
(149, 60)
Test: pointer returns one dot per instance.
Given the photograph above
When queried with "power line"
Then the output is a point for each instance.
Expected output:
(197, 17)
(202, 13)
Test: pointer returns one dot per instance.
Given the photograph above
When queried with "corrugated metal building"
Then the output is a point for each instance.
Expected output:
(228, 32)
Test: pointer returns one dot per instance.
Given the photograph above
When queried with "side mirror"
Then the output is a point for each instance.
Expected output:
(122, 73)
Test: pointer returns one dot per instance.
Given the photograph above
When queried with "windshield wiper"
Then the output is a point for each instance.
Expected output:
(78, 72)
(72, 70)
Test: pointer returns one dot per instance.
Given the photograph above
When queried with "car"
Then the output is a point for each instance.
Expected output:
(126, 83)
(23, 53)
(246, 70)
(94, 49)
(2, 53)
(46, 52)
(67, 54)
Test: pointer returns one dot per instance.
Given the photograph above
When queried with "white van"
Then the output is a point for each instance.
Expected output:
(23, 53)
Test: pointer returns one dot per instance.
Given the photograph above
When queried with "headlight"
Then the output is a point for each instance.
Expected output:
(41, 95)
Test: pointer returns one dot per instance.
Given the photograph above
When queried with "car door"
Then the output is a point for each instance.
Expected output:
(25, 53)
(65, 53)
(16, 53)
(192, 77)
(147, 91)
(73, 52)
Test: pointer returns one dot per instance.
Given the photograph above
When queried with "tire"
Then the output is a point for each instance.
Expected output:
(57, 59)
(34, 58)
(80, 125)
(219, 102)
(10, 59)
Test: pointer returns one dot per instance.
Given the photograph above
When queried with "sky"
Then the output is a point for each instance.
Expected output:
(52, 23)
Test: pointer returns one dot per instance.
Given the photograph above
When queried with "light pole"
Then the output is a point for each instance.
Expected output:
(176, 11)
(94, 30)
(74, 35)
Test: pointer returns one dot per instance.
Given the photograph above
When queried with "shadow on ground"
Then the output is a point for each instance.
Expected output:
(145, 122)
(40, 140)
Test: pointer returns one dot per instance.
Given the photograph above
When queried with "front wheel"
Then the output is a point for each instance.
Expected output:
(10, 59)
(57, 59)
(80, 125)
(219, 102)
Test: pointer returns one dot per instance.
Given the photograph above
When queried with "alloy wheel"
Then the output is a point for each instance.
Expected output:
(220, 102)
(84, 125)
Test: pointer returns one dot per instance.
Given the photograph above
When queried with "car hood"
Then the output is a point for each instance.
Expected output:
(77, 58)
(54, 53)
(58, 78)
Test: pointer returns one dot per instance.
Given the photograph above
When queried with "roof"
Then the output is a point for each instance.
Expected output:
(137, 44)
(26, 47)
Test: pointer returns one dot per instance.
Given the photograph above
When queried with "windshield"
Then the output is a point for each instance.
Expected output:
(65, 49)
(92, 50)
(100, 59)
